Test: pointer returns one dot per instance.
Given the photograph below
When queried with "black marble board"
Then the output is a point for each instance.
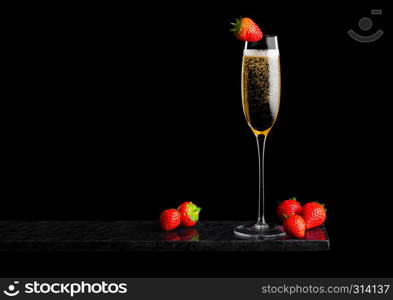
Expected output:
(144, 236)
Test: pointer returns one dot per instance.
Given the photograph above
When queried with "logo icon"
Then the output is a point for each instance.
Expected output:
(12, 291)
(365, 24)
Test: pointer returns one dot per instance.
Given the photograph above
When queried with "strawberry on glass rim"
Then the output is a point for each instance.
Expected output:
(247, 30)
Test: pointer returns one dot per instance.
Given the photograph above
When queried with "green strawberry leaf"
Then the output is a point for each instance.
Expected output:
(193, 212)
(236, 25)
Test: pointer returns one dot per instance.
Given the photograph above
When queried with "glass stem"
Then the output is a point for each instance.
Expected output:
(261, 141)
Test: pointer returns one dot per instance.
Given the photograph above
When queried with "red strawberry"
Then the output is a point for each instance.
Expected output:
(170, 219)
(288, 208)
(246, 30)
(189, 213)
(295, 226)
(314, 214)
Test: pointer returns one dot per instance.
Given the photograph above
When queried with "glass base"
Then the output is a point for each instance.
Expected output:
(259, 232)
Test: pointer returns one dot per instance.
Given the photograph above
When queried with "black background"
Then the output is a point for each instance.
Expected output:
(119, 113)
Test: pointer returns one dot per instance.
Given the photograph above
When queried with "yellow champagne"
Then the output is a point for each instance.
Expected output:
(261, 86)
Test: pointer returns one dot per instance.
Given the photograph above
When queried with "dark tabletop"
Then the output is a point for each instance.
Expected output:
(143, 236)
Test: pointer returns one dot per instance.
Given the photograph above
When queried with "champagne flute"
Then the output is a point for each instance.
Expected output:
(261, 87)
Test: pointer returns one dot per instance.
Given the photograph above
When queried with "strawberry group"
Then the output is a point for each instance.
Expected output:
(298, 219)
(245, 29)
(187, 215)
